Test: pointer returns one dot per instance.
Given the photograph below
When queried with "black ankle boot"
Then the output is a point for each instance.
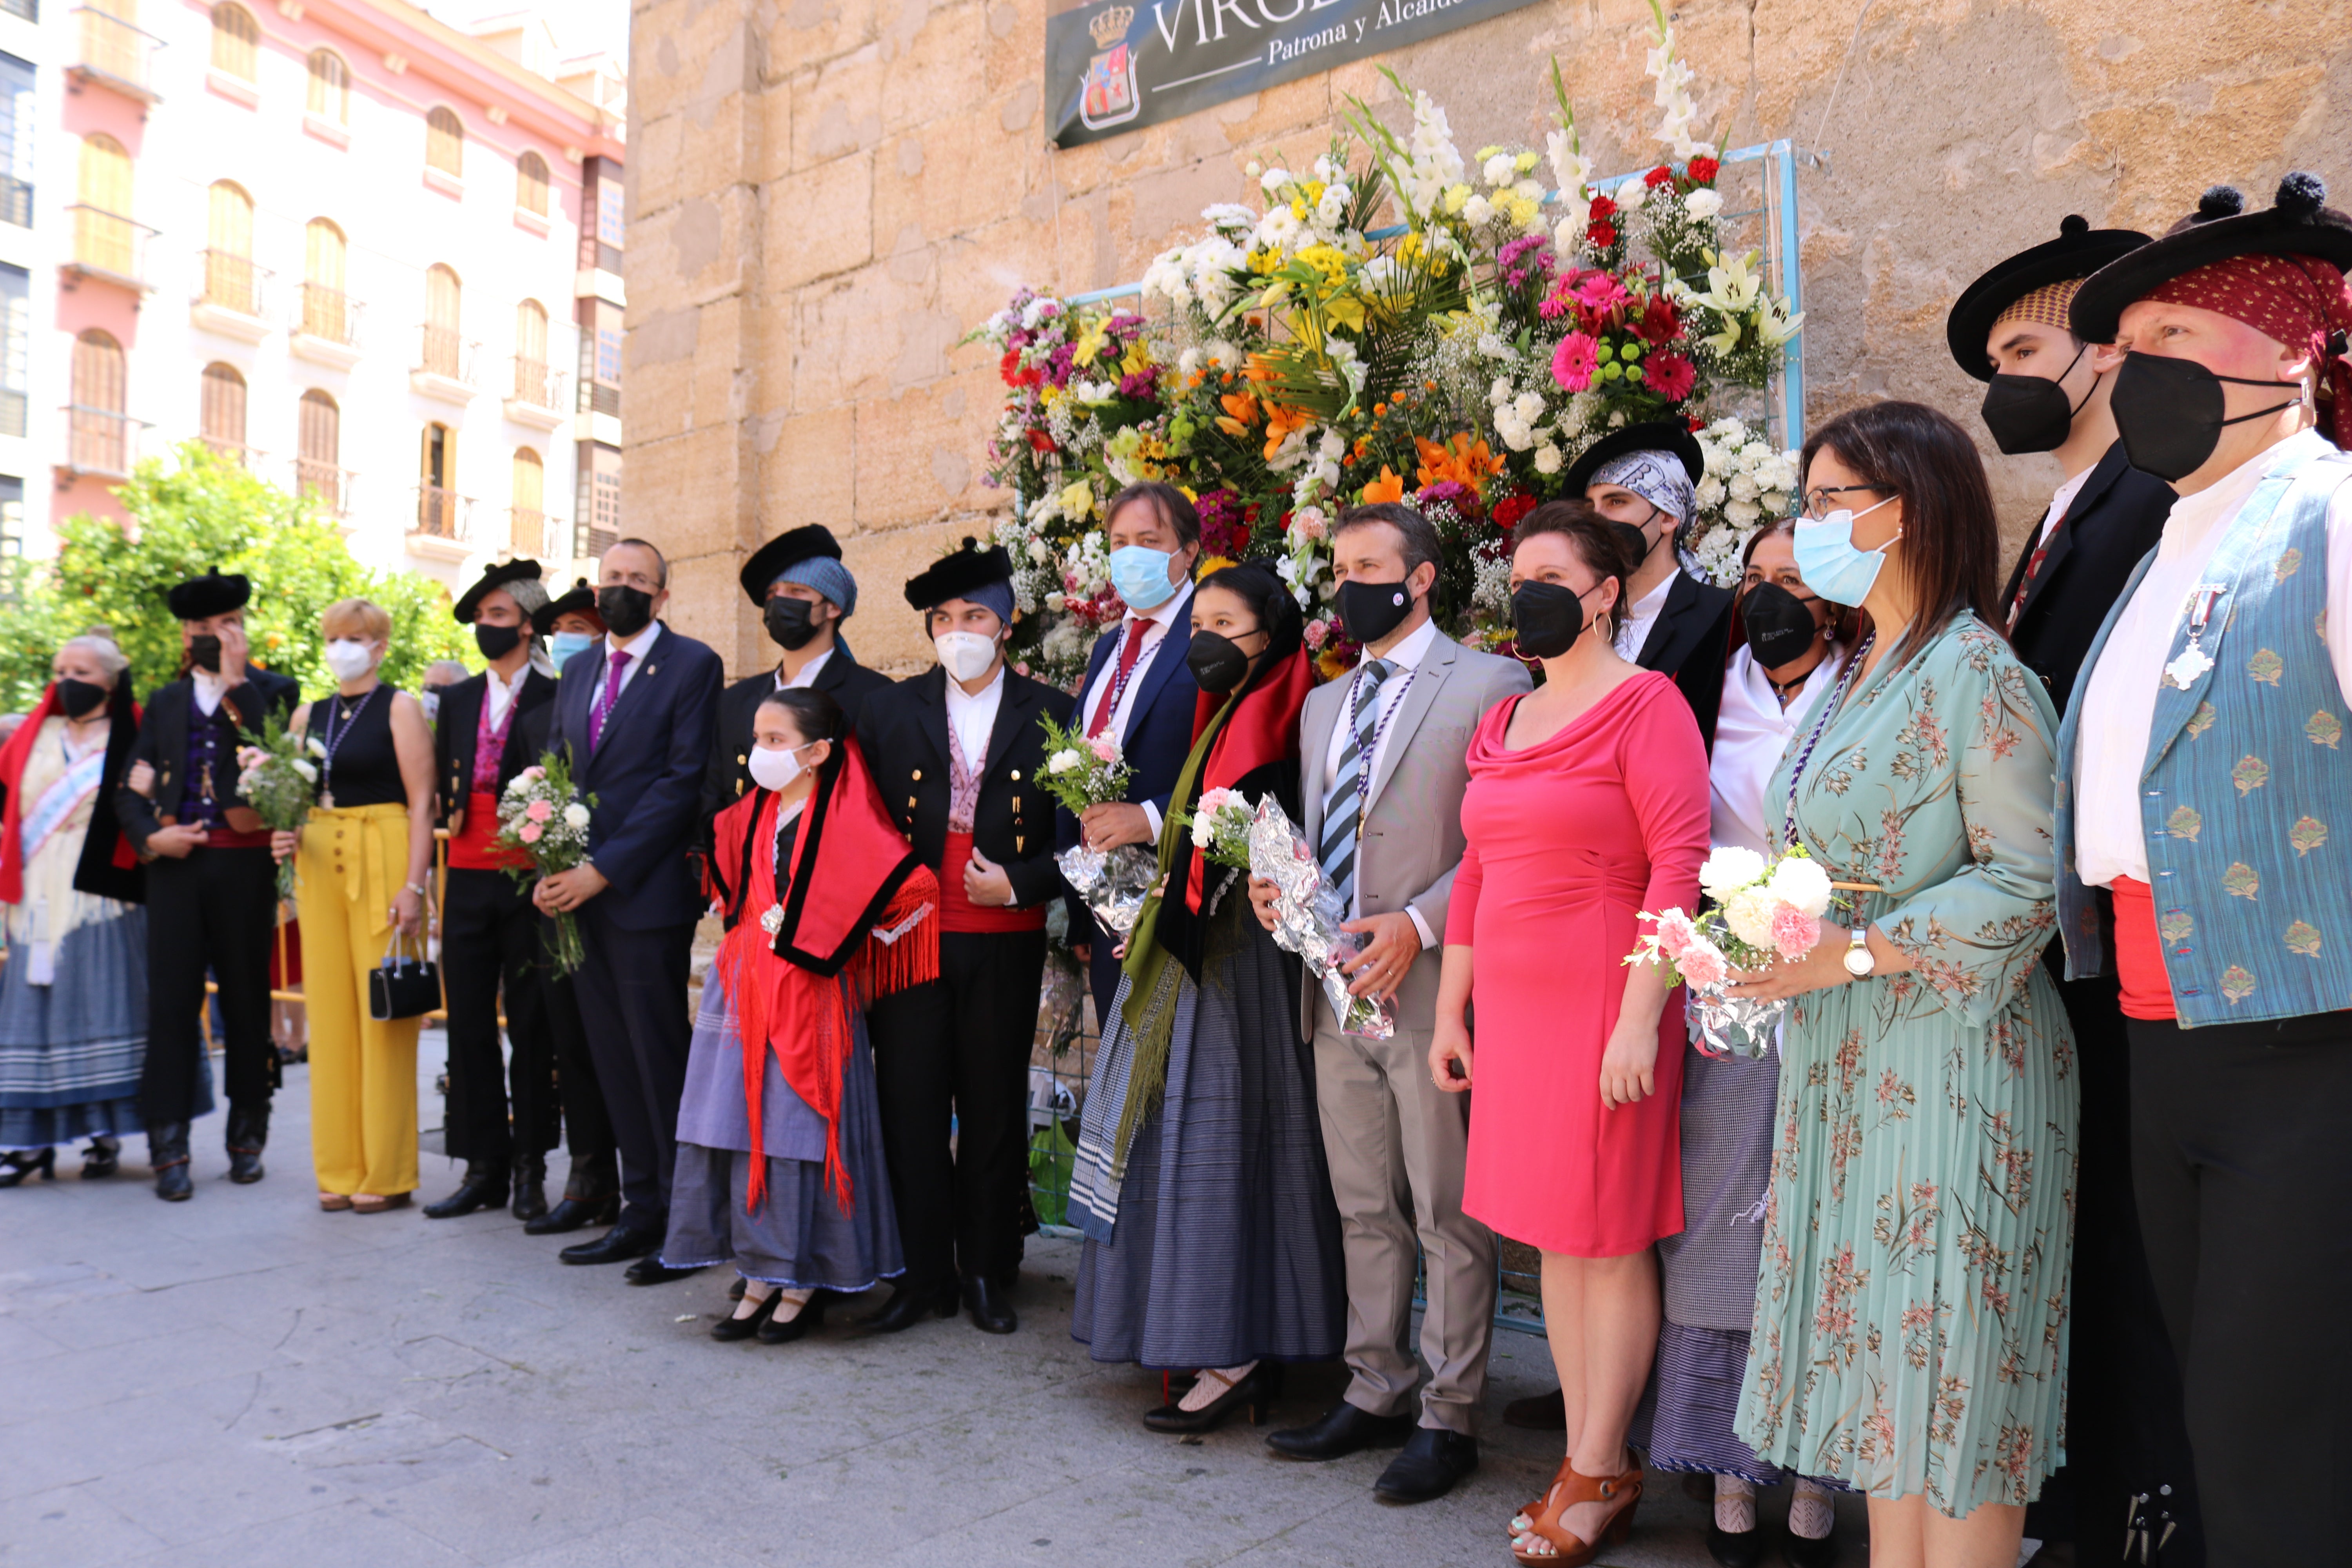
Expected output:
(167, 1152)
(248, 1134)
(102, 1158)
(530, 1187)
(592, 1196)
(485, 1187)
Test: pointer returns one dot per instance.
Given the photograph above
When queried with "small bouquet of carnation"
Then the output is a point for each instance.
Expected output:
(1763, 911)
(1307, 915)
(278, 775)
(1081, 771)
(1220, 825)
(544, 818)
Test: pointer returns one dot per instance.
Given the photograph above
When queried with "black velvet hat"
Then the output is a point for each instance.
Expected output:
(795, 545)
(1655, 436)
(955, 575)
(499, 575)
(580, 601)
(2077, 252)
(2298, 223)
(213, 594)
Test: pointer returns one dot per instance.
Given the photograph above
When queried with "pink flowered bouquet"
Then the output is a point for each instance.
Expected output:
(1761, 910)
(544, 818)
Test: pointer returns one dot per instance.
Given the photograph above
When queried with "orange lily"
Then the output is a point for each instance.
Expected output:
(1389, 486)
(1462, 460)
(1240, 412)
(1280, 421)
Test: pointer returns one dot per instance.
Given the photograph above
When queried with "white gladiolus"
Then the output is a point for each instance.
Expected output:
(1631, 194)
(1799, 881)
(1729, 869)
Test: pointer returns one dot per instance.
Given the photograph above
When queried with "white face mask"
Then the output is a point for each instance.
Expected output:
(775, 770)
(349, 659)
(966, 655)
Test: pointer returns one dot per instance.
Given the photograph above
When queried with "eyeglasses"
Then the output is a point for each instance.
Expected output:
(1816, 507)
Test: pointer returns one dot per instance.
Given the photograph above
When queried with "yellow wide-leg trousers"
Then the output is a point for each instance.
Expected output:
(363, 1072)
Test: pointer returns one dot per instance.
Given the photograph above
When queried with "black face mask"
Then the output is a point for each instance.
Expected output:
(788, 622)
(1780, 625)
(1371, 611)
(625, 611)
(2171, 412)
(1217, 663)
(1636, 538)
(79, 699)
(2030, 412)
(496, 642)
(1547, 618)
(205, 651)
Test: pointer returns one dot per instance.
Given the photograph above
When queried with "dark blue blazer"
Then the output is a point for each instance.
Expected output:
(1158, 737)
(647, 776)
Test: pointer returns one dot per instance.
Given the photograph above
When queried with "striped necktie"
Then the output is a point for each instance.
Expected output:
(1343, 806)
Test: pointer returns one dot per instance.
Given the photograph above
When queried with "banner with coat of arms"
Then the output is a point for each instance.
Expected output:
(1117, 67)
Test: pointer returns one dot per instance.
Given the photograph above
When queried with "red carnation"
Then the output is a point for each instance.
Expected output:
(1040, 442)
(1602, 235)
(1603, 209)
(1705, 169)
(1510, 509)
(1661, 175)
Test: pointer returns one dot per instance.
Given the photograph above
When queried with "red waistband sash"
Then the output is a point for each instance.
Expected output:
(959, 913)
(2139, 952)
(228, 838)
(475, 846)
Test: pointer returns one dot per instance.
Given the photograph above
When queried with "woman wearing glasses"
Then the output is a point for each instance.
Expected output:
(1909, 1336)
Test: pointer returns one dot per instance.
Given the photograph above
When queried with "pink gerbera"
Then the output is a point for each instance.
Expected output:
(1573, 362)
(1794, 932)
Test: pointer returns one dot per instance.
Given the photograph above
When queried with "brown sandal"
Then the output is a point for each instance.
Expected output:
(1568, 1549)
(1525, 1520)
(374, 1202)
(334, 1203)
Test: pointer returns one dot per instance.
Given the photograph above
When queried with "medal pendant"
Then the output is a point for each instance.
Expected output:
(2184, 670)
(774, 921)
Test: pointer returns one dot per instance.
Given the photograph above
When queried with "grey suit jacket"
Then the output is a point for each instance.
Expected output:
(1413, 839)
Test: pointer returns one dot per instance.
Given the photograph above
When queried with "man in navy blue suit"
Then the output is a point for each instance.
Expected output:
(1138, 689)
(637, 713)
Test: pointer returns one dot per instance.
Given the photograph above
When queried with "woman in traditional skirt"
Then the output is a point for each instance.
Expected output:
(73, 995)
(1212, 1238)
(779, 1168)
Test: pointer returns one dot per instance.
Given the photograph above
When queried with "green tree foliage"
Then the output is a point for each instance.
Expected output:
(199, 514)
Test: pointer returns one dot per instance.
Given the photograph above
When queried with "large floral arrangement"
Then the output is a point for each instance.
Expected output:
(1290, 361)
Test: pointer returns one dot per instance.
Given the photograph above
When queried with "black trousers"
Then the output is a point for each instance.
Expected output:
(2126, 1435)
(2242, 1156)
(633, 1006)
(587, 1126)
(490, 938)
(958, 1047)
(216, 911)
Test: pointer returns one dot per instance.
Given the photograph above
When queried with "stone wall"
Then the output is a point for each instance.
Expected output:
(827, 195)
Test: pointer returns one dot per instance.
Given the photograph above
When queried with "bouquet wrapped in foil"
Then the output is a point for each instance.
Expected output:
(1307, 917)
(1734, 1026)
(1764, 911)
(1111, 882)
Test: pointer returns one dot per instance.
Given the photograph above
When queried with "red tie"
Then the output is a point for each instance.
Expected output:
(1130, 644)
(2033, 570)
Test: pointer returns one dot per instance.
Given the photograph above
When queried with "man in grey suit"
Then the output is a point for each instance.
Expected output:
(1383, 757)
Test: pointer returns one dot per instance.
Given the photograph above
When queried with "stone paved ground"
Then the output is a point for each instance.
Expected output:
(243, 1379)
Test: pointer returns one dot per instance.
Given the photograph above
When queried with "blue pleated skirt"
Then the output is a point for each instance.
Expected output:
(70, 1052)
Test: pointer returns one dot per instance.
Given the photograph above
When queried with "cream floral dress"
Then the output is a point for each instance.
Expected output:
(1911, 1306)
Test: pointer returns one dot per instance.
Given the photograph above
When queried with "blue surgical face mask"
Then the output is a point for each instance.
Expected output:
(564, 645)
(1140, 575)
(1830, 563)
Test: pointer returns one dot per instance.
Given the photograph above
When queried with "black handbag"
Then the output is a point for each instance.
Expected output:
(405, 986)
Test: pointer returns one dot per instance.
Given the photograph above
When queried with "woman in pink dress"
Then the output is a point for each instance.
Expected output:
(1588, 803)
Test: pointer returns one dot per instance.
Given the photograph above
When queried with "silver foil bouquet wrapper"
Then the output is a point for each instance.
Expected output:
(1307, 915)
(1112, 882)
(1738, 1027)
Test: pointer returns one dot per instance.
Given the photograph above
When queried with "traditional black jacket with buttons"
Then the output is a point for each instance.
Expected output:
(2116, 518)
(163, 744)
(904, 733)
(841, 676)
(457, 728)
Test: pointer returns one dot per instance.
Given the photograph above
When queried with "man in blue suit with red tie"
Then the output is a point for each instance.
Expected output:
(1138, 689)
(637, 713)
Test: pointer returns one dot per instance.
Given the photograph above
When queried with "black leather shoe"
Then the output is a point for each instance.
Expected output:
(631, 1238)
(1737, 1548)
(1344, 1430)
(651, 1271)
(1433, 1460)
(248, 1134)
(733, 1327)
(592, 1196)
(102, 1159)
(19, 1163)
(990, 1307)
(485, 1187)
(530, 1187)
(1257, 1390)
(906, 1307)
(167, 1154)
(1809, 1552)
(1540, 1413)
(784, 1331)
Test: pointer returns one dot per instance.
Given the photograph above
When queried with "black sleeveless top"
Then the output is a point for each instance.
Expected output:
(363, 768)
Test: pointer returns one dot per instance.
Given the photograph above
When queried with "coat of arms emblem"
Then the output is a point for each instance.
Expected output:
(1111, 96)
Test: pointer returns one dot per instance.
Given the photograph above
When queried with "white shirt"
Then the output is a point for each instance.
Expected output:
(1154, 632)
(807, 677)
(973, 717)
(1752, 730)
(504, 692)
(2119, 697)
(210, 689)
(2060, 500)
(1643, 616)
(1403, 660)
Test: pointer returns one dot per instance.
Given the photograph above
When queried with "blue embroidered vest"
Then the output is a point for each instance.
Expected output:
(2245, 797)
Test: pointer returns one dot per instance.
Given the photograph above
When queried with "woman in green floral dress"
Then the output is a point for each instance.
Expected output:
(1911, 1309)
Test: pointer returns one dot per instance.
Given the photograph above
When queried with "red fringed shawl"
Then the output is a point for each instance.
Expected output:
(12, 817)
(1264, 729)
(854, 882)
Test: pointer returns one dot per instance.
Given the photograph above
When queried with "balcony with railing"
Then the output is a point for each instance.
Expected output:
(326, 326)
(600, 397)
(108, 248)
(444, 366)
(233, 300)
(533, 533)
(101, 443)
(114, 53)
(443, 523)
(324, 485)
(535, 394)
(15, 201)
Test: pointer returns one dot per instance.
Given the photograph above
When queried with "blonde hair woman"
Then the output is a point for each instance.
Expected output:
(360, 868)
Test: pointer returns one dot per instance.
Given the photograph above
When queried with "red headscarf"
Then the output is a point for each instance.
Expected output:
(2302, 301)
(12, 818)
(1264, 729)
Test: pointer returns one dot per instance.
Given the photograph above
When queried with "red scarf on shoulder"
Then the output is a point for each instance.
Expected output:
(1263, 728)
(12, 817)
(854, 882)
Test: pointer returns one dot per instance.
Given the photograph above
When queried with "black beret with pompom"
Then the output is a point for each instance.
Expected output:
(2300, 222)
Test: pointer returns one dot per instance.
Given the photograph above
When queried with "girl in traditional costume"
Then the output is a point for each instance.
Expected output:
(779, 1165)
